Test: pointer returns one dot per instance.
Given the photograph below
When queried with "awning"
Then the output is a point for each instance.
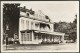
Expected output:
(57, 33)
(52, 33)
(25, 30)
(45, 32)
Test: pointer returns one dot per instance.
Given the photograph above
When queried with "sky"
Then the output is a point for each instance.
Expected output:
(56, 10)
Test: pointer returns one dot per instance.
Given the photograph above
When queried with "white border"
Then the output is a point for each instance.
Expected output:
(37, 50)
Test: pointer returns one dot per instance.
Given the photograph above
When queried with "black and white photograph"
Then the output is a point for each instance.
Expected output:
(40, 26)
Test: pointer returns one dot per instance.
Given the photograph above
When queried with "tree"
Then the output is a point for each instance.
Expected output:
(74, 29)
(11, 18)
(67, 28)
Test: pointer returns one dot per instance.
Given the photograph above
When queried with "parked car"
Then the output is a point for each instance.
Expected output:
(69, 41)
(12, 41)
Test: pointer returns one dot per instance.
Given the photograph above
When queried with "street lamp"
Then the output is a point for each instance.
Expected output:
(7, 29)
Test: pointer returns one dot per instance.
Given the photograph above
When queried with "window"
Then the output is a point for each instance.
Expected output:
(27, 24)
(36, 36)
(39, 36)
(26, 37)
(22, 23)
(32, 25)
(27, 14)
(50, 37)
(29, 37)
(22, 36)
(36, 25)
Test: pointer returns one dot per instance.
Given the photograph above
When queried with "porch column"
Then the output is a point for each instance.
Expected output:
(59, 39)
(52, 39)
(45, 37)
(32, 36)
(49, 38)
(41, 36)
(62, 38)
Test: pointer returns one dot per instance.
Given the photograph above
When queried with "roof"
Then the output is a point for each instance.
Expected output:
(46, 32)
(52, 33)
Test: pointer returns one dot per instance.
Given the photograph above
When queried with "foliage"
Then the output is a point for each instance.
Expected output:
(11, 18)
(67, 28)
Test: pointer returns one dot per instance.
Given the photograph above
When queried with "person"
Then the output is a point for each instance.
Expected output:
(13, 40)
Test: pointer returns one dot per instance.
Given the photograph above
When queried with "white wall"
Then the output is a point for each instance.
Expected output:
(24, 26)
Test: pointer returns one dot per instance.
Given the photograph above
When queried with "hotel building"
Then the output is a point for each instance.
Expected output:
(36, 27)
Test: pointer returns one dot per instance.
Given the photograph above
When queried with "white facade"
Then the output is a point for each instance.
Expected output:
(34, 29)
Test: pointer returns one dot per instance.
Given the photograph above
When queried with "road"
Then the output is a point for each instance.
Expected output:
(67, 46)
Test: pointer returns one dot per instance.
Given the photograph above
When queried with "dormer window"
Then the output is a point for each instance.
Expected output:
(27, 14)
